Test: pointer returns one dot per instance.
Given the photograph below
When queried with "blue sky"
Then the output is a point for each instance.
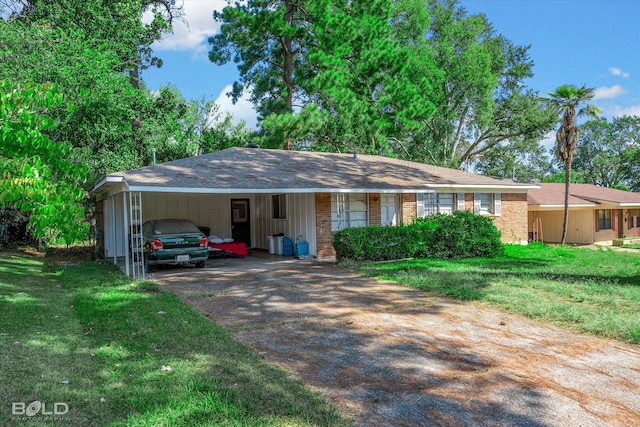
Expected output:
(590, 42)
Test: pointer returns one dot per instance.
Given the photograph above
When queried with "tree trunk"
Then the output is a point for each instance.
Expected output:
(567, 185)
(134, 77)
(287, 66)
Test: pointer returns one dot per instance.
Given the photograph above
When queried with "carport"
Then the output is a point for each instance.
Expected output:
(242, 215)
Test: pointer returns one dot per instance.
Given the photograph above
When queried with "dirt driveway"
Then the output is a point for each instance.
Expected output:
(391, 356)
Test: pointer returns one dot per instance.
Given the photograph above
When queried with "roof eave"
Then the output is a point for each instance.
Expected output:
(472, 187)
(205, 190)
(107, 182)
(560, 206)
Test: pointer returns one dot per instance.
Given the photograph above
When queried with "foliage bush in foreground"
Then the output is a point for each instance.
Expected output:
(460, 235)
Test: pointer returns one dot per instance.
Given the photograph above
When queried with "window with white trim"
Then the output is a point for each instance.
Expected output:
(487, 203)
(279, 206)
(349, 210)
(430, 204)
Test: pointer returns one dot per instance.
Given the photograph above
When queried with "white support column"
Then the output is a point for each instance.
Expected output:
(125, 232)
(114, 237)
(135, 235)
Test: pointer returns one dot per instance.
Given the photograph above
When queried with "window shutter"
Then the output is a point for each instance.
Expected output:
(420, 205)
(497, 204)
(614, 219)
(460, 201)
(597, 221)
(476, 203)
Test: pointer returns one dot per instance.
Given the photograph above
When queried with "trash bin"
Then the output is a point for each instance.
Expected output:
(279, 244)
(302, 249)
(272, 244)
(287, 247)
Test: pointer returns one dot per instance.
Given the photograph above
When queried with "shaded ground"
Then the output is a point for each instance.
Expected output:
(392, 356)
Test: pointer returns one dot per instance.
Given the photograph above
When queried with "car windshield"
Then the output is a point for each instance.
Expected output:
(174, 227)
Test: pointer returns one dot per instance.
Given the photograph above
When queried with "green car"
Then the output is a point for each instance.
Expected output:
(173, 241)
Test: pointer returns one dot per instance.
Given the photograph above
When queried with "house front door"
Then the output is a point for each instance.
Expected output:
(621, 230)
(241, 221)
(388, 209)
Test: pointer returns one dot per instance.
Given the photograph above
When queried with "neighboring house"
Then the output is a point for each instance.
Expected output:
(250, 194)
(596, 214)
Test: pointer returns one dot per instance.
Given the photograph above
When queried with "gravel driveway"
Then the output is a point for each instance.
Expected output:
(387, 355)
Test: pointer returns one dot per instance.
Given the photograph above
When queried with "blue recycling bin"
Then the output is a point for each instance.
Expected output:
(287, 246)
(302, 248)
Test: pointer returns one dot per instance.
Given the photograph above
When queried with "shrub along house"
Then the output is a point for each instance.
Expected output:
(596, 214)
(250, 194)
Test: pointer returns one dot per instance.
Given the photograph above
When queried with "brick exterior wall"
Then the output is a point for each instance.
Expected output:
(375, 212)
(409, 207)
(324, 236)
(513, 220)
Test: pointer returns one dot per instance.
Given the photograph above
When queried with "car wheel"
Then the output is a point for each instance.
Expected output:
(200, 264)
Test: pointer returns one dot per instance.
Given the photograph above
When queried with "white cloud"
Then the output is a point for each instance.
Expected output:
(196, 26)
(609, 92)
(241, 110)
(618, 111)
(618, 72)
(549, 140)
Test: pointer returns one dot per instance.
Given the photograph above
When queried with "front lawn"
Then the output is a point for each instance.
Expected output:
(91, 347)
(593, 291)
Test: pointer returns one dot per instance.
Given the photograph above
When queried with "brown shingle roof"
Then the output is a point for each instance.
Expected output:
(552, 194)
(254, 169)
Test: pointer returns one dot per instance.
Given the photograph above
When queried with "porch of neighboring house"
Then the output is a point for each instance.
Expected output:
(586, 226)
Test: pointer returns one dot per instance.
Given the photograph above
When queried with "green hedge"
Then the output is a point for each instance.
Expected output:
(460, 235)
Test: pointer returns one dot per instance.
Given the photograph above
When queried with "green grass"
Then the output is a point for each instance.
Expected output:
(592, 291)
(87, 336)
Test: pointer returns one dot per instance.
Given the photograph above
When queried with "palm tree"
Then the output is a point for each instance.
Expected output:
(565, 100)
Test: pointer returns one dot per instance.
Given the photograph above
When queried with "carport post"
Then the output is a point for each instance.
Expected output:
(125, 220)
(114, 232)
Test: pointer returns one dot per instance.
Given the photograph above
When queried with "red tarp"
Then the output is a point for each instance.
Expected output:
(234, 248)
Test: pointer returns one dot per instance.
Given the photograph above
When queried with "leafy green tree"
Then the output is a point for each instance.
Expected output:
(113, 25)
(178, 128)
(91, 78)
(482, 105)
(521, 163)
(219, 132)
(559, 177)
(408, 78)
(39, 175)
(331, 75)
(565, 100)
(91, 50)
(366, 80)
(604, 150)
(266, 39)
(631, 162)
